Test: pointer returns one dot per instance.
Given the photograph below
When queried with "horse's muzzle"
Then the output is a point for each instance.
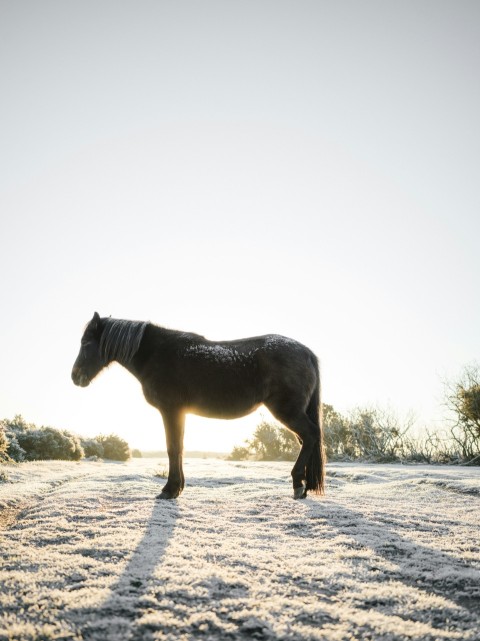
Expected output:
(79, 378)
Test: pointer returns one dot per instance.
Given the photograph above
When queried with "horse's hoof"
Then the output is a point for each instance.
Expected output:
(299, 493)
(166, 496)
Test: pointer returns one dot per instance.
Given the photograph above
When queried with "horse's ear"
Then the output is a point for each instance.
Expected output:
(95, 320)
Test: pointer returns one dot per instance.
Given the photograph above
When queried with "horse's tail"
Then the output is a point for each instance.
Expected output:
(315, 469)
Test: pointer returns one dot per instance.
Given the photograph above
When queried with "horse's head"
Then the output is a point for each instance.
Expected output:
(89, 360)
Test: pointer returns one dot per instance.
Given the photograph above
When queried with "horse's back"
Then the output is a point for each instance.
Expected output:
(268, 356)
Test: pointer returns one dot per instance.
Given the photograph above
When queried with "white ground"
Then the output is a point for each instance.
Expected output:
(392, 552)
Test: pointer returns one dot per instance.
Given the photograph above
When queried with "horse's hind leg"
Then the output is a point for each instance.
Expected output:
(299, 423)
(306, 430)
(174, 423)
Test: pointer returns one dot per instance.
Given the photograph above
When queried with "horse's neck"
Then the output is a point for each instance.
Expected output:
(121, 340)
(157, 344)
(153, 343)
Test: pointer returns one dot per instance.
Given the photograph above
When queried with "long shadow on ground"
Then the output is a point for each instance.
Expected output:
(115, 618)
(417, 565)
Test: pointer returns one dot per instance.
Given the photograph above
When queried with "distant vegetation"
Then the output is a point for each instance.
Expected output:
(22, 441)
(364, 434)
(379, 436)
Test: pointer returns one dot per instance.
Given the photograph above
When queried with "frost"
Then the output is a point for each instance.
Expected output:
(275, 340)
(391, 553)
(227, 353)
(216, 353)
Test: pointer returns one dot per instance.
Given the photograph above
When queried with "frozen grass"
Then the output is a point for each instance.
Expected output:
(391, 553)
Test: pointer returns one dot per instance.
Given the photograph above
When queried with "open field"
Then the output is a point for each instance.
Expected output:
(392, 552)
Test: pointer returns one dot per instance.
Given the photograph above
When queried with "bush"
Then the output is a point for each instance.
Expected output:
(114, 447)
(463, 400)
(14, 451)
(136, 453)
(3, 444)
(339, 441)
(22, 441)
(240, 454)
(27, 442)
(92, 447)
(270, 442)
(48, 443)
(11, 428)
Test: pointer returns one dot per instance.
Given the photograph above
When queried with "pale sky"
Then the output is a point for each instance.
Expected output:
(233, 169)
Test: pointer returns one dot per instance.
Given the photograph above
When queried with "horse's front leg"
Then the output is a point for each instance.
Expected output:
(174, 423)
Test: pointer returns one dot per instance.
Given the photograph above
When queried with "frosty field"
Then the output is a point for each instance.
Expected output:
(392, 552)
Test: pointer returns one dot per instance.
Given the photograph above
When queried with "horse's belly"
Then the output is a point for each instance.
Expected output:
(223, 398)
(222, 410)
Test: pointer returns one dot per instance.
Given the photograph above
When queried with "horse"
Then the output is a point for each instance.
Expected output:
(182, 372)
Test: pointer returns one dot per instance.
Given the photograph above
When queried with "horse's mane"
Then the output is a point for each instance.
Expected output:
(121, 339)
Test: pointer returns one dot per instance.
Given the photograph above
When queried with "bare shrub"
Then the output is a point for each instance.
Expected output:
(366, 433)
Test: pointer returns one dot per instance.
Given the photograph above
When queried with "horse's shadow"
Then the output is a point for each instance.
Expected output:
(116, 616)
(417, 564)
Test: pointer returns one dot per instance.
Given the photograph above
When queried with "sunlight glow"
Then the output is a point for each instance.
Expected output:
(319, 183)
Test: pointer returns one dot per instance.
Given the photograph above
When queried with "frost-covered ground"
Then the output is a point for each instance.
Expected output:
(392, 552)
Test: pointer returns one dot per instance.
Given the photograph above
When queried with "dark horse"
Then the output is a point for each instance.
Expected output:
(182, 372)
